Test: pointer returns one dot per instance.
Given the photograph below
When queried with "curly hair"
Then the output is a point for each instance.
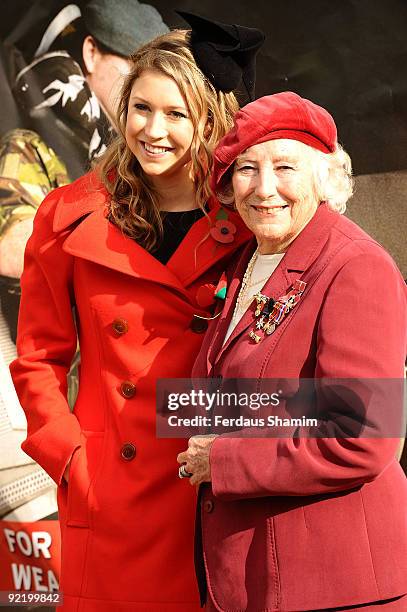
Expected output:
(134, 204)
(333, 181)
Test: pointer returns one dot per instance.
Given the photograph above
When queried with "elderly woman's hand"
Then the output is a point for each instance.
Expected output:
(196, 458)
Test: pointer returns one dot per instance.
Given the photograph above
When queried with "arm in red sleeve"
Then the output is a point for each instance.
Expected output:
(46, 344)
(361, 334)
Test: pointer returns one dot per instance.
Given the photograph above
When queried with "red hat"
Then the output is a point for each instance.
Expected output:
(282, 115)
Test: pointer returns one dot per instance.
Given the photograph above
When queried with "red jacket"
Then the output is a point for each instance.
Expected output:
(126, 518)
(293, 524)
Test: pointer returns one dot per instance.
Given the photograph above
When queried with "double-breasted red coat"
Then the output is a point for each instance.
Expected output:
(297, 523)
(126, 518)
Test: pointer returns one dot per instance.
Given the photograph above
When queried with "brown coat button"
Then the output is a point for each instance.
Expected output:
(128, 451)
(208, 505)
(128, 389)
(198, 326)
(120, 326)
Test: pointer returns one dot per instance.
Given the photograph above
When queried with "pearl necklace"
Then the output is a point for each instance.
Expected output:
(244, 287)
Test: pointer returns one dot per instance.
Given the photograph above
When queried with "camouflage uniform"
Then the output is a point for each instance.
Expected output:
(28, 171)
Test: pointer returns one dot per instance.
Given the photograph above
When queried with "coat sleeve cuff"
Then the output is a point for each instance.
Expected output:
(221, 455)
(53, 445)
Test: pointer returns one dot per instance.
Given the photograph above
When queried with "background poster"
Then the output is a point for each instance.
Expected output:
(31, 552)
(349, 56)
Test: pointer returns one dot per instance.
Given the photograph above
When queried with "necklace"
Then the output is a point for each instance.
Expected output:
(244, 287)
(257, 282)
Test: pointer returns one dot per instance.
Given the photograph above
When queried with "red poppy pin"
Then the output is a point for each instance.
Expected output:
(223, 231)
(208, 293)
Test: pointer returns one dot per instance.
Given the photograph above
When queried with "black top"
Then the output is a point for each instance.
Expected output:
(176, 226)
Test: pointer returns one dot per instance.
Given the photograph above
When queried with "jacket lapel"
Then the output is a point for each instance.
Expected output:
(96, 239)
(199, 250)
(299, 257)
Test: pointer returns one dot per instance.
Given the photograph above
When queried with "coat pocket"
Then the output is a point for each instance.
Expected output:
(84, 467)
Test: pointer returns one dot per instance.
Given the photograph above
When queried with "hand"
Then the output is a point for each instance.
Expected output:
(68, 467)
(12, 247)
(196, 458)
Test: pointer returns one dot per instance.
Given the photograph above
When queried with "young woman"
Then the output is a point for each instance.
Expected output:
(134, 250)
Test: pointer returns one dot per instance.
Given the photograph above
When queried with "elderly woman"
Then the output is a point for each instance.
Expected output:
(301, 522)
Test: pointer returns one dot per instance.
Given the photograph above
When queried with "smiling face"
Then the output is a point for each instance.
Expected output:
(274, 190)
(159, 130)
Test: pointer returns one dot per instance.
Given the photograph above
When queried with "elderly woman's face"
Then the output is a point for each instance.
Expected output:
(273, 184)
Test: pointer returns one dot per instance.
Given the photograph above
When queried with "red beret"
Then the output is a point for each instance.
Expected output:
(282, 115)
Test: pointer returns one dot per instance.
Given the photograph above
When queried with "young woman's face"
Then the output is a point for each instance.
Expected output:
(159, 130)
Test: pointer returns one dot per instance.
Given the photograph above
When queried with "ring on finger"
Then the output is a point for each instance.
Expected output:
(182, 472)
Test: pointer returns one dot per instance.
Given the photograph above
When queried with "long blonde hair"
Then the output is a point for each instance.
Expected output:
(133, 204)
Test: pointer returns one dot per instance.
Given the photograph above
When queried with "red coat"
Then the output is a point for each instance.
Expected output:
(126, 518)
(308, 524)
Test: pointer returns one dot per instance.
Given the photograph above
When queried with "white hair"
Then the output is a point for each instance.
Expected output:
(332, 176)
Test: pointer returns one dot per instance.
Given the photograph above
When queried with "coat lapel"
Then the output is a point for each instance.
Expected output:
(199, 251)
(96, 239)
(299, 257)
